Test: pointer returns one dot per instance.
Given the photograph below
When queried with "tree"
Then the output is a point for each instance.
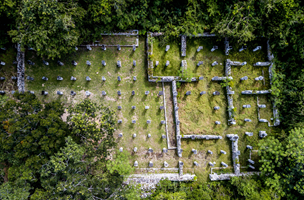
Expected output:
(96, 137)
(283, 164)
(8, 14)
(50, 27)
(8, 191)
(30, 134)
(65, 174)
(240, 22)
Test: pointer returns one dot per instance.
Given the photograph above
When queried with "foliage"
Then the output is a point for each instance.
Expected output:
(186, 74)
(227, 82)
(48, 26)
(93, 126)
(30, 133)
(9, 191)
(280, 163)
(120, 164)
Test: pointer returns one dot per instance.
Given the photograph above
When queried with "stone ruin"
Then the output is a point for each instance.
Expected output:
(60, 63)
(244, 78)
(89, 48)
(235, 152)
(257, 48)
(214, 63)
(45, 78)
(262, 134)
(103, 63)
(167, 48)
(249, 133)
(183, 45)
(74, 63)
(200, 63)
(118, 64)
(199, 48)
(167, 63)
(242, 48)
(214, 48)
(45, 63)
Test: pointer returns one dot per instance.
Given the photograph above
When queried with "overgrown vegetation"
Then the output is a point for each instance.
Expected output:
(54, 28)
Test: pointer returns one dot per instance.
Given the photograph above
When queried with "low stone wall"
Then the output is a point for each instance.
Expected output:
(206, 34)
(229, 92)
(149, 181)
(235, 152)
(166, 78)
(223, 177)
(127, 33)
(183, 45)
(262, 64)
(204, 137)
(20, 69)
(177, 127)
(249, 92)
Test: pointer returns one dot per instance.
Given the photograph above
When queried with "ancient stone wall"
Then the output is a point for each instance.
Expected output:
(177, 127)
(20, 69)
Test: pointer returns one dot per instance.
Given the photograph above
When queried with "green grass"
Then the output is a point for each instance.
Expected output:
(8, 70)
(196, 112)
(192, 56)
(111, 86)
(197, 115)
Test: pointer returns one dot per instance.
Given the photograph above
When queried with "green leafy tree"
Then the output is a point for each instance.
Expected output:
(93, 126)
(30, 134)
(282, 163)
(240, 22)
(50, 27)
(8, 191)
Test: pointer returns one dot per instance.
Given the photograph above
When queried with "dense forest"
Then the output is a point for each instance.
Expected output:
(47, 158)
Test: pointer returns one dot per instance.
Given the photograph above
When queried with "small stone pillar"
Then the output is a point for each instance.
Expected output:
(199, 48)
(223, 152)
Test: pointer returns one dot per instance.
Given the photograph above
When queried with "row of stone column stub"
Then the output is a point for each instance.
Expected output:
(235, 152)
(177, 122)
(231, 120)
(93, 44)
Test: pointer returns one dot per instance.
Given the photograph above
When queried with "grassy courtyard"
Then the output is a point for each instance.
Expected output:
(196, 112)
(111, 86)
(192, 56)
